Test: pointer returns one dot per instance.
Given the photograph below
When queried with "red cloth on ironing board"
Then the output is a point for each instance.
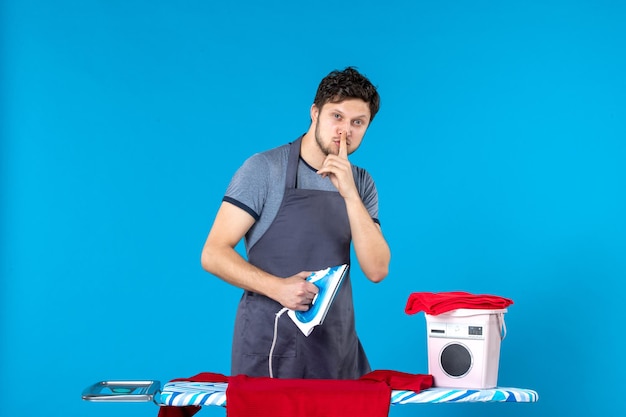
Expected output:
(275, 397)
(190, 410)
(401, 380)
(438, 303)
(369, 396)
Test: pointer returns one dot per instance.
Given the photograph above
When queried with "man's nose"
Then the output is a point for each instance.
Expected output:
(346, 128)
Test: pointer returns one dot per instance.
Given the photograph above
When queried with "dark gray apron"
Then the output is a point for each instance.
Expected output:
(310, 232)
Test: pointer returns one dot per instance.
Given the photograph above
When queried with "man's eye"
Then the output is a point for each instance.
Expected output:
(337, 116)
(358, 122)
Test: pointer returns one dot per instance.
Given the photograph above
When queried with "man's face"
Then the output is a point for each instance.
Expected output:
(351, 116)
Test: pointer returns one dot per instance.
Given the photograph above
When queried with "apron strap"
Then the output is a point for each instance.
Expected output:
(292, 164)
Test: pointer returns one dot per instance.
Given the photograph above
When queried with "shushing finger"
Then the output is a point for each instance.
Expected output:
(343, 145)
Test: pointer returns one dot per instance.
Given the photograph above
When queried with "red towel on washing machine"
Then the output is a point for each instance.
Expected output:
(438, 303)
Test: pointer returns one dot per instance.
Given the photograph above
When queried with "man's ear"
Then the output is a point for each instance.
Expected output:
(315, 112)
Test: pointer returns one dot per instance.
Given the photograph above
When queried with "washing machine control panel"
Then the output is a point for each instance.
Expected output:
(456, 330)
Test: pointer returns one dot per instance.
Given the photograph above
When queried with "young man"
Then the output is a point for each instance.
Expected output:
(299, 207)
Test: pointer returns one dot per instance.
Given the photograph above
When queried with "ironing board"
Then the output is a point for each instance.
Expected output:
(184, 393)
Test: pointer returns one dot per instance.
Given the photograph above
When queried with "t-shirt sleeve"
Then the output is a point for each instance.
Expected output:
(248, 187)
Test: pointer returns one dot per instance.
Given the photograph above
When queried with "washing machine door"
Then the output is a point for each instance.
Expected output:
(456, 360)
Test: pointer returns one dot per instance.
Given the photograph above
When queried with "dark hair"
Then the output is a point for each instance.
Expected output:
(347, 84)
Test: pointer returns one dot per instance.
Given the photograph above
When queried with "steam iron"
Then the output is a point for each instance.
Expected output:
(328, 281)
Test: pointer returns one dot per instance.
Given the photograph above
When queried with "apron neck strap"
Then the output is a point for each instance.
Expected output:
(292, 164)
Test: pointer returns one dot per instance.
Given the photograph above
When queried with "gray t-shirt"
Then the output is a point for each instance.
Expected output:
(258, 187)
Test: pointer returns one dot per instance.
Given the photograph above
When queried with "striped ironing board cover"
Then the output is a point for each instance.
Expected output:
(181, 393)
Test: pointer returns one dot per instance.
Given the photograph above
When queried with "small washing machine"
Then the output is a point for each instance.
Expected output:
(464, 347)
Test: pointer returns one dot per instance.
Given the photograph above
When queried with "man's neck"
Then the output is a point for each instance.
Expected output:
(310, 151)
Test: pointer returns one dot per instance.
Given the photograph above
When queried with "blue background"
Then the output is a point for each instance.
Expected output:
(498, 154)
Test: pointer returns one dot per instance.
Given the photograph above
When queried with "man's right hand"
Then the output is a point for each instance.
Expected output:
(295, 292)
